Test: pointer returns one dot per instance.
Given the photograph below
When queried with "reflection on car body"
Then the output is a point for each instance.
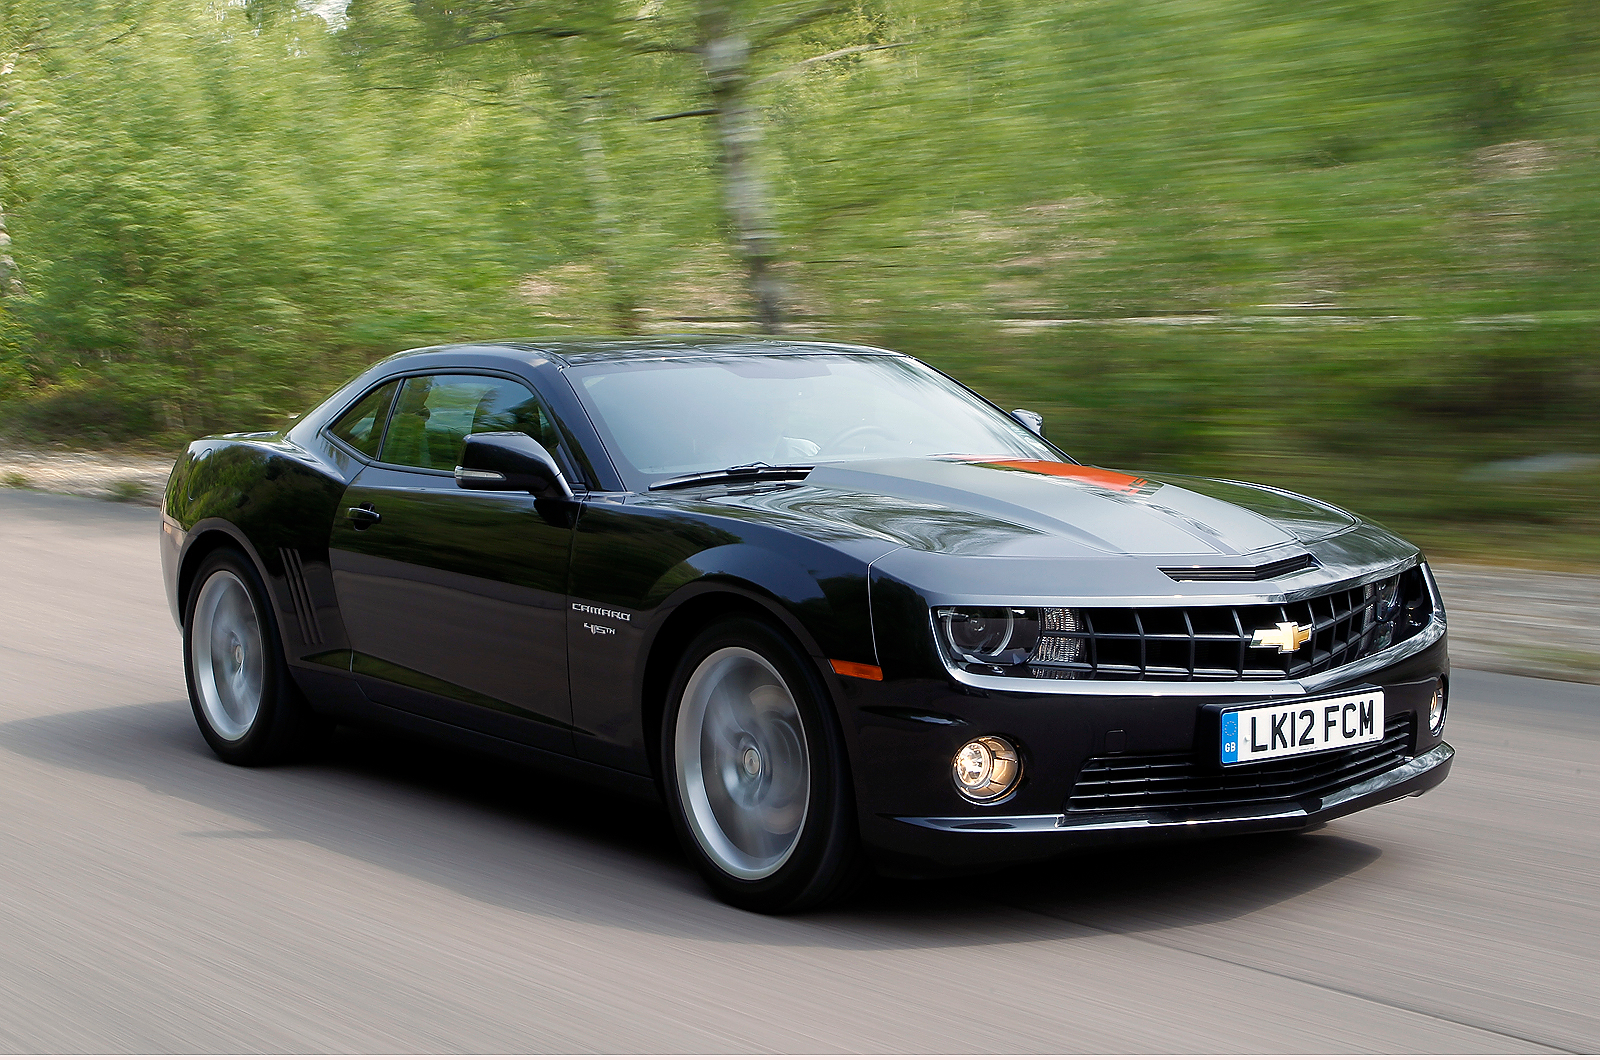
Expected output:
(836, 610)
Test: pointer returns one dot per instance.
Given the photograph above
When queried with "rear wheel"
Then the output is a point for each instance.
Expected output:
(247, 705)
(755, 771)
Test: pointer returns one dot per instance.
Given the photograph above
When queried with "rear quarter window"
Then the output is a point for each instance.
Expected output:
(362, 427)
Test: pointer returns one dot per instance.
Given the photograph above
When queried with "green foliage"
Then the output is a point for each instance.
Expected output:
(1346, 245)
(218, 223)
(127, 489)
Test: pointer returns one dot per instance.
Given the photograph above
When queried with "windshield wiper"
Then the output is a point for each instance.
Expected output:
(742, 473)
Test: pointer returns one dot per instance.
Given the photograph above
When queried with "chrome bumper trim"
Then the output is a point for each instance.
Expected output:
(1286, 813)
(1209, 691)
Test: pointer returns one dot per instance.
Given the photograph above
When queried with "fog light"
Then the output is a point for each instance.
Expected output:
(986, 770)
(1436, 708)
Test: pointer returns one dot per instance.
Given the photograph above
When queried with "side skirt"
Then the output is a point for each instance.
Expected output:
(358, 709)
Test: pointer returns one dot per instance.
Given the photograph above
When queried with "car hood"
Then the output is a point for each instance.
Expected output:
(1034, 508)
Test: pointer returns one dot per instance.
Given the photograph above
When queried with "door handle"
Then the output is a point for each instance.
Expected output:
(362, 518)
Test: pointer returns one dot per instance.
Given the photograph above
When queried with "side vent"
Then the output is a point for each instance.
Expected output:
(1275, 569)
(305, 613)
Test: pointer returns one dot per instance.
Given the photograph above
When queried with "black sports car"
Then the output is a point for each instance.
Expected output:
(831, 606)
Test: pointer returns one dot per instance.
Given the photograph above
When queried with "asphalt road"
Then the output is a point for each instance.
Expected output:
(391, 898)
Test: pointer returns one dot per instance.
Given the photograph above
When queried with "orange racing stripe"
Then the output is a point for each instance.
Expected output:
(1092, 476)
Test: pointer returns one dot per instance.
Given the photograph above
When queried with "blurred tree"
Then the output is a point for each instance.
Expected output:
(731, 37)
(231, 224)
(590, 54)
(20, 31)
(535, 56)
(1201, 232)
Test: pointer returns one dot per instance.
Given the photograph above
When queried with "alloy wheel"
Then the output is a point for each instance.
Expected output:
(229, 657)
(743, 770)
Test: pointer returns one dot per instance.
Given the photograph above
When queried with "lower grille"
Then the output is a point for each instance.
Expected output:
(1120, 783)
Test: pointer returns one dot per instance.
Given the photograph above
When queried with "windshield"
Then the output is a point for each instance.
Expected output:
(666, 418)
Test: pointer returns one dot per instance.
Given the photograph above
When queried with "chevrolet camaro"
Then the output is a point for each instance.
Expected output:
(838, 612)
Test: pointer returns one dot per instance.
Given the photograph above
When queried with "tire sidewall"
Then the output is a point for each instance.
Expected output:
(259, 743)
(824, 856)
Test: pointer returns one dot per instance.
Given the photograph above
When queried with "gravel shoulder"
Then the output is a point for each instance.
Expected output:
(1504, 619)
(1533, 623)
(132, 477)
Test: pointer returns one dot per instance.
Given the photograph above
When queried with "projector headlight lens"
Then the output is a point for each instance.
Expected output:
(996, 638)
(1383, 606)
(986, 769)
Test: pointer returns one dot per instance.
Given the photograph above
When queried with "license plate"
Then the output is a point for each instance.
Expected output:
(1301, 727)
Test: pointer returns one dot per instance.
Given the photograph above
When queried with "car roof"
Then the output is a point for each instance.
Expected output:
(588, 350)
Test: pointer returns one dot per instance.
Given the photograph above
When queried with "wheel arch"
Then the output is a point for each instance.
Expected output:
(205, 538)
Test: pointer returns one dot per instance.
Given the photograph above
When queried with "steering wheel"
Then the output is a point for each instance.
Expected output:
(855, 432)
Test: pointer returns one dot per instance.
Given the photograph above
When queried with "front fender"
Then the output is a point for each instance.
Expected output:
(830, 620)
(645, 580)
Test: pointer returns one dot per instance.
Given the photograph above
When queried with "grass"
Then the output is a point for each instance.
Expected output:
(1370, 420)
(126, 489)
(1561, 663)
(15, 480)
(1497, 545)
(1546, 522)
(1383, 422)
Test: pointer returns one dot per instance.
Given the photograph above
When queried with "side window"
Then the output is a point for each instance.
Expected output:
(362, 426)
(436, 412)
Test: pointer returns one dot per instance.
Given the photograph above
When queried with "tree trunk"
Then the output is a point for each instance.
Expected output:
(726, 54)
(592, 146)
(10, 278)
(586, 110)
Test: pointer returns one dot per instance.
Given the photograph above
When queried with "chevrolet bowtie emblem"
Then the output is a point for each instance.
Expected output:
(1286, 637)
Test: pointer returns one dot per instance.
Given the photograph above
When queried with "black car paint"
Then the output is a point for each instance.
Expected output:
(548, 629)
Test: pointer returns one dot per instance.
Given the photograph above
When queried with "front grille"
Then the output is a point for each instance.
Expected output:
(1123, 783)
(1216, 643)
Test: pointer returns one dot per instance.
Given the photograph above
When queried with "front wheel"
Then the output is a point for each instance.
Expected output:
(247, 705)
(755, 771)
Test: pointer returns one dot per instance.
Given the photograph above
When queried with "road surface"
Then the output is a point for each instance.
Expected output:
(393, 898)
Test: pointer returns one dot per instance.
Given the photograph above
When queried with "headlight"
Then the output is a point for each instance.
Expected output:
(1436, 708)
(1053, 646)
(1397, 607)
(1013, 639)
(991, 635)
(1383, 601)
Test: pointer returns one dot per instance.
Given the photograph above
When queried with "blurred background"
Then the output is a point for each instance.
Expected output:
(1345, 247)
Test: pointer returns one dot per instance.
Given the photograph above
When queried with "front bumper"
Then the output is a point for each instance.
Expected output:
(1041, 835)
(914, 824)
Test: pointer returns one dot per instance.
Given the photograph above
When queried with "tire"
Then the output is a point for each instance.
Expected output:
(246, 703)
(755, 773)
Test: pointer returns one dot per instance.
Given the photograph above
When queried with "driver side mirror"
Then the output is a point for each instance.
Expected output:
(1029, 419)
(510, 462)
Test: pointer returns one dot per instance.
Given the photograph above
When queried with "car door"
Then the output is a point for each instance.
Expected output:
(454, 599)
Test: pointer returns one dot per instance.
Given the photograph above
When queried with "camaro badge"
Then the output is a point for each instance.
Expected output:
(1286, 637)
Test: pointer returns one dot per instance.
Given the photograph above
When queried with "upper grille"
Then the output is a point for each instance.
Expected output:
(1121, 783)
(1214, 643)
